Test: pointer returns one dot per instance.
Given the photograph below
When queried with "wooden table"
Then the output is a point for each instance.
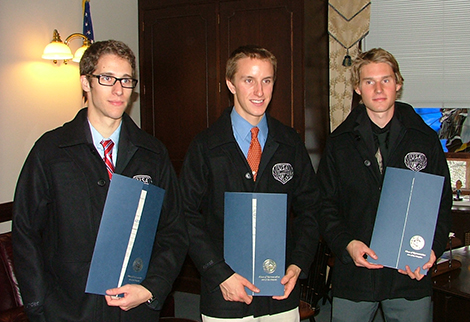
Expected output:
(452, 289)
(461, 220)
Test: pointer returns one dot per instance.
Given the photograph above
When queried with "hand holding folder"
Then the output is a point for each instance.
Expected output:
(255, 226)
(406, 219)
(134, 295)
(418, 274)
(359, 253)
(126, 235)
(233, 289)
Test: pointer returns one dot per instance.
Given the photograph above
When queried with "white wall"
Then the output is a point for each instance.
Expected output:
(35, 94)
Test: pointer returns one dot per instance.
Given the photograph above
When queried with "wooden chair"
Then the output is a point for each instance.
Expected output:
(315, 286)
(11, 305)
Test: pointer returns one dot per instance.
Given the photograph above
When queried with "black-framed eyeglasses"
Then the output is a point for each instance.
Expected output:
(108, 80)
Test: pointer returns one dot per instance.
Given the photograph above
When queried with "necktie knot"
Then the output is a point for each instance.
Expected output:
(254, 153)
(108, 156)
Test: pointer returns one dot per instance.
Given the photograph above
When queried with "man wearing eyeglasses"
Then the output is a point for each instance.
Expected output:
(61, 193)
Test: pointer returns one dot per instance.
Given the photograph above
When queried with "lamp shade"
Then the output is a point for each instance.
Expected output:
(79, 53)
(57, 51)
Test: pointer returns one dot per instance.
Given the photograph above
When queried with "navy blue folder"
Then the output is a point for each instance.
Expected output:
(406, 218)
(126, 235)
(255, 238)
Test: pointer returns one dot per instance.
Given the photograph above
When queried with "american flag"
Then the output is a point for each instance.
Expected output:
(87, 24)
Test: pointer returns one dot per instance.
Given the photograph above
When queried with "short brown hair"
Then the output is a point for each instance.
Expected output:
(375, 55)
(248, 51)
(91, 56)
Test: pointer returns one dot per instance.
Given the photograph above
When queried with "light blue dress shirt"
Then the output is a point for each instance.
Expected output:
(242, 131)
(97, 138)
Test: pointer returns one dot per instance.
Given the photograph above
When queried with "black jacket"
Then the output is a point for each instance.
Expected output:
(58, 203)
(215, 164)
(350, 186)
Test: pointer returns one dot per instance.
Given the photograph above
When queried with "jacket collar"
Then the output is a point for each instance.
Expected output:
(218, 134)
(77, 132)
(403, 113)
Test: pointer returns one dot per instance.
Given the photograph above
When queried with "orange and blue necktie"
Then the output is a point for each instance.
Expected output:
(254, 153)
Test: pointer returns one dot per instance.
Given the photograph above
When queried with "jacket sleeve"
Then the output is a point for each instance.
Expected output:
(306, 205)
(194, 181)
(332, 225)
(171, 241)
(30, 214)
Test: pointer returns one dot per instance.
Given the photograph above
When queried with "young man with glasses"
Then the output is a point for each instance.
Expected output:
(61, 193)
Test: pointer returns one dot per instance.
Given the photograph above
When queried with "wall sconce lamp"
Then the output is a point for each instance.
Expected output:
(58, 50)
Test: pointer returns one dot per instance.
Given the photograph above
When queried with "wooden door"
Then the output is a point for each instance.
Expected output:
(276, 25)
(184, 46)
(178, 73)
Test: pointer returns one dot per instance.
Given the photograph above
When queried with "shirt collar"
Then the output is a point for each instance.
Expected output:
(97, 138)
(242, 128)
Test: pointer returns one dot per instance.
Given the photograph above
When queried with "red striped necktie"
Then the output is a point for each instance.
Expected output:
(108, 156)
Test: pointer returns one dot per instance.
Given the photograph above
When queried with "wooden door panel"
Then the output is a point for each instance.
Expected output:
(183, 48)
(277, 26)
(177, 65)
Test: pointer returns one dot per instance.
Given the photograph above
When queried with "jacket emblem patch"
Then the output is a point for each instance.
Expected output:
(143, 177)
(416, 161)
(283, 172)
